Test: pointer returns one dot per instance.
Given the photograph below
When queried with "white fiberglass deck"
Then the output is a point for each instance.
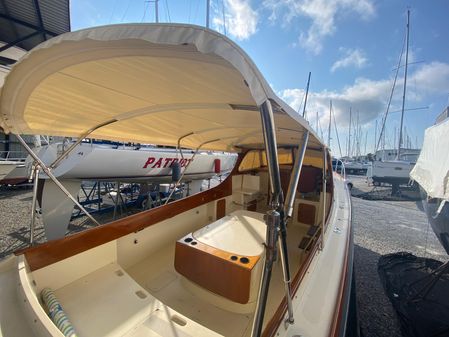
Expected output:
(157, 275)
(241, 232)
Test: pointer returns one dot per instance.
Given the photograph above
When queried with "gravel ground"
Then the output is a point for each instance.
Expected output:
(380, 227)
(15, 218)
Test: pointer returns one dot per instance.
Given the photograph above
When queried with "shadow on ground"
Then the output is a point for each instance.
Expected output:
(376, 314)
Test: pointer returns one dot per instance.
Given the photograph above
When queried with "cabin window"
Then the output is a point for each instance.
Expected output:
(257, 158)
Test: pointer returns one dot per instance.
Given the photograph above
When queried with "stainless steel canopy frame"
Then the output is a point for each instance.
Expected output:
(275, 221)
(294, 178)
(323, 221)
(40, 164)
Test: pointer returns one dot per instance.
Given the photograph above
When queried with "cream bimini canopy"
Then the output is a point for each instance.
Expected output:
(147, 83)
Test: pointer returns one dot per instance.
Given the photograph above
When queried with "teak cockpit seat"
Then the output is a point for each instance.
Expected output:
(309, 188)
(225, 257)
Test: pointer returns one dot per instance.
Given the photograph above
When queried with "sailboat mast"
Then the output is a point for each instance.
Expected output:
(207, 13)
(349, 141)
(375, 138)
(405, 86)
(357, 137)
(330, 123)
(305, 100)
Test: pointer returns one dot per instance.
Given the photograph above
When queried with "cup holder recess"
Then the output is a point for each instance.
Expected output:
(234, 258)
(244, 260)
(193, 243)
(188, 240)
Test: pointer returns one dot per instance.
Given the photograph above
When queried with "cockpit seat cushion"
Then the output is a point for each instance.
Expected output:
(56, 313)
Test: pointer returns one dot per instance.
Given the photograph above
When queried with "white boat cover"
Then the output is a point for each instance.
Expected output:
(432, 168)
(154, 82)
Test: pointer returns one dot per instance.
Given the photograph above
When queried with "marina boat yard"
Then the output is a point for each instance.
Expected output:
(194, 302)
(193, 235)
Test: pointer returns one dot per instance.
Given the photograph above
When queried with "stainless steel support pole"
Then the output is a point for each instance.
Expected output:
(272, 220)
(294, 178)
(269, 133)
(33, 205)
(188, 164)
(324, 197)
(275, 215)
(79, 140)
(116, 201)
(53, 178)
(286, 275)
(290, 199)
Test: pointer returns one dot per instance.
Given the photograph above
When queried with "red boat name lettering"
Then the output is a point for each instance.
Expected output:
(168, 162)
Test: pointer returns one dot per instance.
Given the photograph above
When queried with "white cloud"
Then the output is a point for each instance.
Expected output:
(370, 97)
(322, 13)
(351, 58)
(240, 19)
(432, 78)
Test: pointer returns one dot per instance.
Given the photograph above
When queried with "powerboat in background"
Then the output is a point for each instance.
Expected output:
(222, 262)
(356, 167)
(431, 172)
(392, 172)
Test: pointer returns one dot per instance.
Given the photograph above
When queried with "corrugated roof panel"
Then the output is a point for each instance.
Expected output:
(55, 19)
(56, 15)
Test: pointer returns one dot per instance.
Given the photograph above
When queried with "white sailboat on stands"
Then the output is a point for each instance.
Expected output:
(100, 161)
(394, 172)
(240, 259)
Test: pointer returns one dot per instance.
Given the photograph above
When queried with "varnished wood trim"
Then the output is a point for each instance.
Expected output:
(216, 270)
(221, 209)
(276, 320)
(306, 213)
(57, 250)
(54, 251)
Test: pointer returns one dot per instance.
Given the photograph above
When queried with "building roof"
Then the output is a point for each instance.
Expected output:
(26, 23)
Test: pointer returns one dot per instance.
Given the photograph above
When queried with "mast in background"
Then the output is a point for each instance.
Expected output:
(207, 13)
(330, 121)
(405, 87)
(305, 100)
(349, 141)
(375, 138)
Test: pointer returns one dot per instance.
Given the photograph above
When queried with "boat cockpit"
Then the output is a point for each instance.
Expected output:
(194, 270)
(265, 253)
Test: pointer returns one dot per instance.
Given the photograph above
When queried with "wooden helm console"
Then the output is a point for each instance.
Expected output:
(223, 257)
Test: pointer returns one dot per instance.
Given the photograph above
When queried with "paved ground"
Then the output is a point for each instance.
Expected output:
(380, 227)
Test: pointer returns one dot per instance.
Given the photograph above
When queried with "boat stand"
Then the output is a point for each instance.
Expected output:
(35, 177)
(40, 165)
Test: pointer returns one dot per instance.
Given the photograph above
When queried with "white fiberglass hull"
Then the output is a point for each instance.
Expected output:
(104, 162)
(6, 167)
(107, 163)
(391, 172)
(17, 175)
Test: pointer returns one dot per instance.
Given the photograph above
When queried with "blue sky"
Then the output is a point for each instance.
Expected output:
(350, 46)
